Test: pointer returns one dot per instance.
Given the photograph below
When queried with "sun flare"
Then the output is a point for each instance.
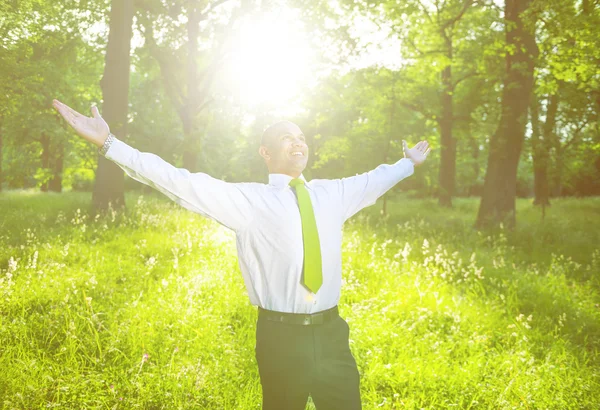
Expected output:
(270, 61)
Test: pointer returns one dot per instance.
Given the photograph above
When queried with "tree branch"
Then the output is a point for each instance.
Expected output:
(575, 135)
(422, 53)
(463, 78)
(417, 108)
(452, 21)
(438, 11)
(426, 12)
(173, 89)
(210, 7)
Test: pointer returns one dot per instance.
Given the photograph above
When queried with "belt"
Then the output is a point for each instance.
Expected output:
(299, 318)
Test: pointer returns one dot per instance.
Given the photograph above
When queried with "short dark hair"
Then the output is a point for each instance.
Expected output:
(272, 132)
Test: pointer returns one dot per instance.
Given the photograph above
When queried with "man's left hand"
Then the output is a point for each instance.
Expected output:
(418, 153)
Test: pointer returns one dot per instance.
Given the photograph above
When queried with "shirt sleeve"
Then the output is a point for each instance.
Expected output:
(225, 202)
(363, 190)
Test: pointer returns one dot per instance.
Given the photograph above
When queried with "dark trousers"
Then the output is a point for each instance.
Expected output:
(297, 360)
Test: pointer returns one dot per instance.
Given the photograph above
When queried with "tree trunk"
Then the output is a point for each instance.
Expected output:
(191, 143)
(499, 189)
(193, 97)
(388, 143)
(55, 184)
(109, 184)
(474, 145)
(540, 183)
(541, 149)
(45, 141)
(447, 175)
(1, 174)
(558, 172)
(190, 134)
(385, 161)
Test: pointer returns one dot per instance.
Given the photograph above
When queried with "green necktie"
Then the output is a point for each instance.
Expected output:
(313, 277)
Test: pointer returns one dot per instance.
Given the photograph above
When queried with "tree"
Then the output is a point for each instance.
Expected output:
(441, 42)
(109, 184)
(566, 81)
(499, 190)
(188, 71)
(44, 57)
(438, 40)
(361, 126)
(541, 137)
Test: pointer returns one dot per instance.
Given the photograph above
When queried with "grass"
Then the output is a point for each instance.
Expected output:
(148, 309)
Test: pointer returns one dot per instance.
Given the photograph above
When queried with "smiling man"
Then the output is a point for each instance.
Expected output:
(289, 237)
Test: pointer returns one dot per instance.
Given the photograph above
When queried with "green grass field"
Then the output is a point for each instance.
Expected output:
(148, 309)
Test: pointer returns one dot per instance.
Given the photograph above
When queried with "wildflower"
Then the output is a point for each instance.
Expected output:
(145, 358)
(12, 265)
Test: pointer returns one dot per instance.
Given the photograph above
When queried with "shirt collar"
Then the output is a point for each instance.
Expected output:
(283, 180)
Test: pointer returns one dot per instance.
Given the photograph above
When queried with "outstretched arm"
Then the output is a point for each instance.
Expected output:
(361, 191)
(225, 202)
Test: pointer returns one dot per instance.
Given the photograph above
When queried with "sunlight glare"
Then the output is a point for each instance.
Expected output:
(271, 59)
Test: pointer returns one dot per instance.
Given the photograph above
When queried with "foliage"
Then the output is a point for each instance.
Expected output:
(354, 116)
(46, 58)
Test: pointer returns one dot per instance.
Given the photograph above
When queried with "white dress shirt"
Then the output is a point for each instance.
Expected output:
(266, 221)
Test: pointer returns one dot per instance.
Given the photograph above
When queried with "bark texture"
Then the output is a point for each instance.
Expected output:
(109, 187)
(499, 190)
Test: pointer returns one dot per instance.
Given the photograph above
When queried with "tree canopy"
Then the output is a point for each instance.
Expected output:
(506, 115)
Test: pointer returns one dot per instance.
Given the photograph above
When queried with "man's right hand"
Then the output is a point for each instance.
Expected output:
(95, 129)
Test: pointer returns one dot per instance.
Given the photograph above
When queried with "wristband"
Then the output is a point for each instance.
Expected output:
(104, 149)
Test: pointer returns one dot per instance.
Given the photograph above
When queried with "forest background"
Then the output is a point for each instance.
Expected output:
(507, 93)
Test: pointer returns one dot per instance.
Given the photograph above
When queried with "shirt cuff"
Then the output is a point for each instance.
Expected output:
(104, 148)
(408, 164)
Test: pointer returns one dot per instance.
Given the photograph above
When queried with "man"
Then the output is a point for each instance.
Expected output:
(289, 235)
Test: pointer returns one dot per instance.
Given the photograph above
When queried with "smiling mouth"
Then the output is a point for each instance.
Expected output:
(297, 155)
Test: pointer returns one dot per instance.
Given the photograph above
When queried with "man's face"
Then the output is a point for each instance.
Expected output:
(287, 150)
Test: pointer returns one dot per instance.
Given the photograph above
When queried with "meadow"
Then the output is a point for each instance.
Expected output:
(147, 309)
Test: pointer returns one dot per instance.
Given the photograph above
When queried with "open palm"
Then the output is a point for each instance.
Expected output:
(418, 153)
(94, 129)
